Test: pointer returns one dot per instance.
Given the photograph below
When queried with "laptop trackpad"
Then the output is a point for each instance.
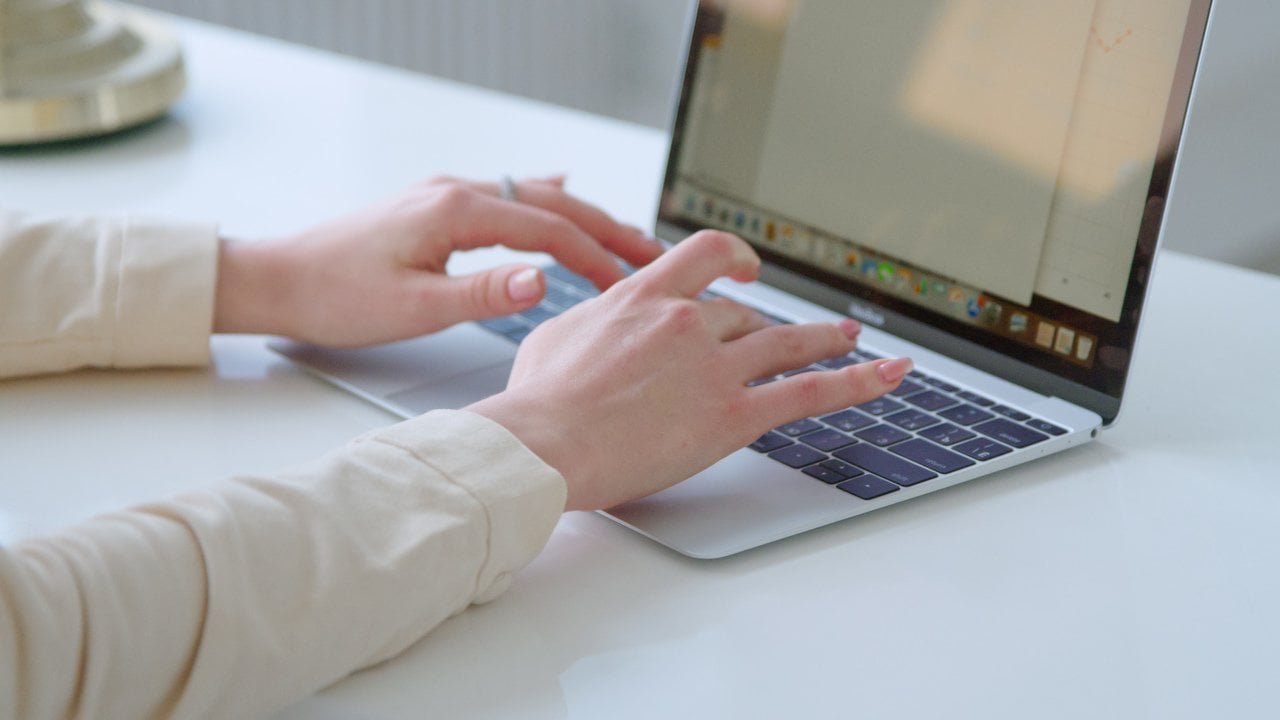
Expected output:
(410, 366)
(453, 392)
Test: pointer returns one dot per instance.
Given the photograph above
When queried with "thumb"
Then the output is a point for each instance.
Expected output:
(496, 292)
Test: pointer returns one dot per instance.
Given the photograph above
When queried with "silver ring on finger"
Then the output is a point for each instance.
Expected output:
(507, 189)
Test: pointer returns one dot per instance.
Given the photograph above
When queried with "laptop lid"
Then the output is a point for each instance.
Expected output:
(985, 178)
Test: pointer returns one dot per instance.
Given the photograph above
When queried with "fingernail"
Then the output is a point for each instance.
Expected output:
(850, 328)
(891, 371)
(524, 285)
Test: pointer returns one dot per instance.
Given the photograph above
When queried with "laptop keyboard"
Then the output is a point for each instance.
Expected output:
(925, 428)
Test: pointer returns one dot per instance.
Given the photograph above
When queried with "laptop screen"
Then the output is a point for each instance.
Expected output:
(994, 170)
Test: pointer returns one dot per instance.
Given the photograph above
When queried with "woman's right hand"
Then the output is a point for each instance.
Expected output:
(647, 385)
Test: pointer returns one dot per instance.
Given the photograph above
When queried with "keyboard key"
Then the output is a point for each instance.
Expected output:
(975, 398)
(827, 440)
(868, 487)
(504, 325)
(880, 406)
(769, 442)
(883, 435)
(562, 298)
(800, 427)
(1009, 412)
(941, 384)
(982, 449)
(1010, 432)
(561, 274)
(912, 419)
(797, 456)
(947, 434)
(839, 361)
(875, 460)
(826, 475)
(842, 467)
(931, 456)
(799, 371)
(848, 420)
(931, 400)
(965, 415)
(1043, 426)
(905, 388)
(538, 314)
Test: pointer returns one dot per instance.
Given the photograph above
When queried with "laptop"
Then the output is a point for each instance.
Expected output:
(981, 184)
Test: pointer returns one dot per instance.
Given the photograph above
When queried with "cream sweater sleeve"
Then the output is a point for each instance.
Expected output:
(103, 293)
(233, 601)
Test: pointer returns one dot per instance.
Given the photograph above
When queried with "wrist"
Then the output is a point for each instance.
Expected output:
(529, 425)
(251, 289)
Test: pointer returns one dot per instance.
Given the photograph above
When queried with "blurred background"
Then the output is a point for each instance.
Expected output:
(612, 57)
(620, 58)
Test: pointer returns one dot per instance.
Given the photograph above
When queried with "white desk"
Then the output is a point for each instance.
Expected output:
(1133, 578)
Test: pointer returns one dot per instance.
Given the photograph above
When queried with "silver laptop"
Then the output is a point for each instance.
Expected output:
(982, 184)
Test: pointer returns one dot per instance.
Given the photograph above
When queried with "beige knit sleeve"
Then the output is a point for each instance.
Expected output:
(94, 292)
(237, 600)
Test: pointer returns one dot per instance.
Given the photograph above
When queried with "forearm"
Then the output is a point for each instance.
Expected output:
(232, 602)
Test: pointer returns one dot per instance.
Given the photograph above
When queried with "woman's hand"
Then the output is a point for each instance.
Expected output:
(379, 274)
(645, 386)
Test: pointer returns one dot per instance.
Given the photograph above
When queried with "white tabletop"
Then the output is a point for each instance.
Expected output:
(1135, 577)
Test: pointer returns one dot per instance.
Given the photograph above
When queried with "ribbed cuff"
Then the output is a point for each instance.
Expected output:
(522, 495)
(164, 309)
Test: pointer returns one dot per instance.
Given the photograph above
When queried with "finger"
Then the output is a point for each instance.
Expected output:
(692, 265)
(490, 293)
(728, 320)
(490, 221)
(556, 181)
(627, 242)
(781, 348)
(817, 393)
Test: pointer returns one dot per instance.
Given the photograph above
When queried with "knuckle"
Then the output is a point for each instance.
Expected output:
(739, 411)
(478, 293)
(452, 197)
(682, 316)
(808, 389)
(792, 340)
(438, 181)
(448, 197)
(560, 231)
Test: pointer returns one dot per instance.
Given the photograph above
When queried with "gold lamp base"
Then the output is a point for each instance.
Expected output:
(70, 68)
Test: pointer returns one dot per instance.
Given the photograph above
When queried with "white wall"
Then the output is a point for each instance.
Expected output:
(614, 57)
(618, 57)
(1231, 160)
